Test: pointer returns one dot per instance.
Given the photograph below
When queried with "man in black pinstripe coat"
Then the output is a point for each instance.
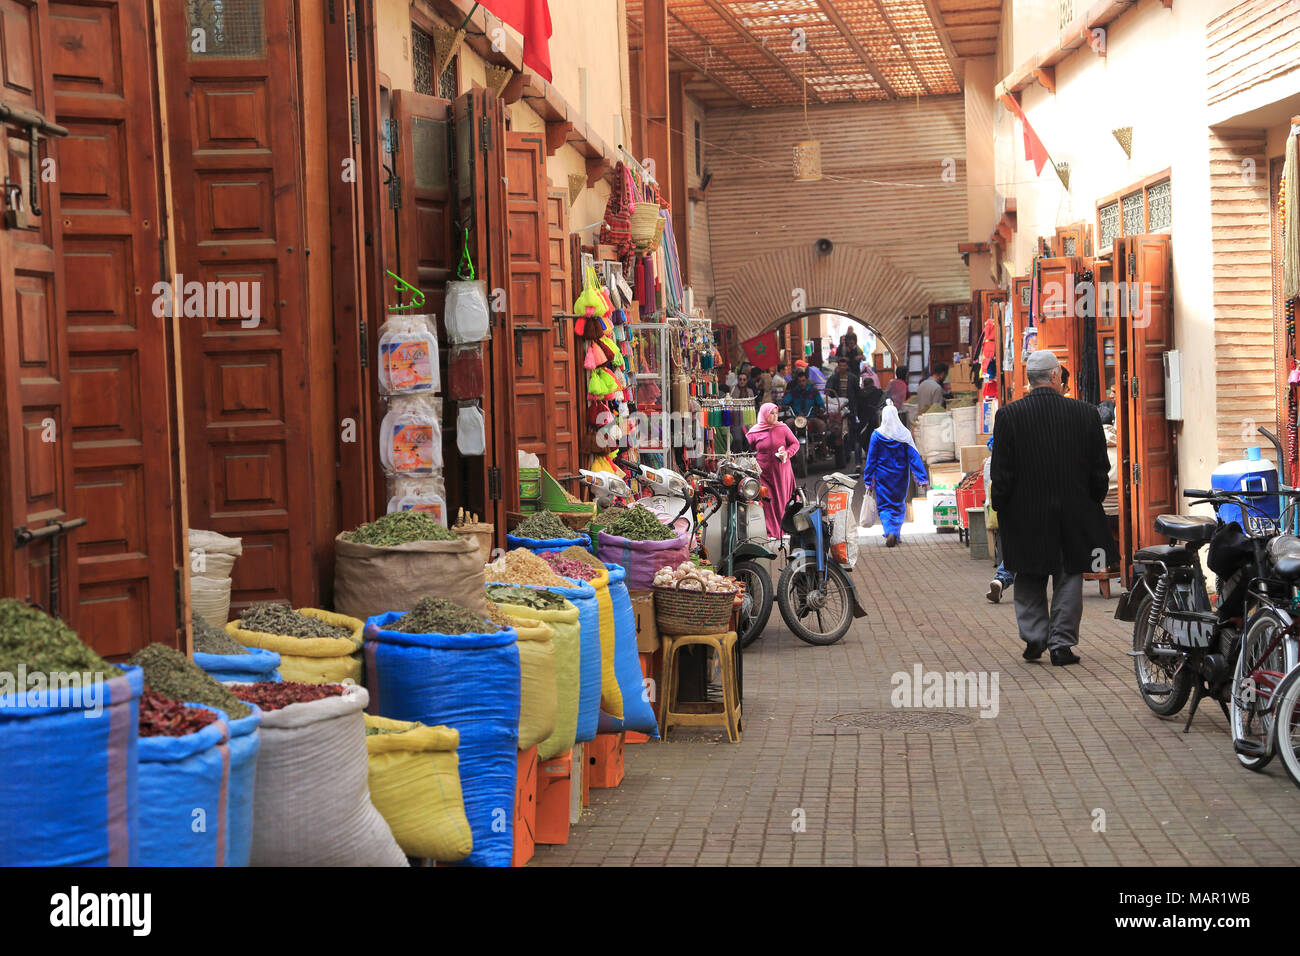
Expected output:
(1050, 474)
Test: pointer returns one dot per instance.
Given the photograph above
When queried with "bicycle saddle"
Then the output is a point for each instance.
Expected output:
(1191, 528)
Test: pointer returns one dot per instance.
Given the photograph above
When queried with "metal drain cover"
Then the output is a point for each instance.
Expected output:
(901, 719)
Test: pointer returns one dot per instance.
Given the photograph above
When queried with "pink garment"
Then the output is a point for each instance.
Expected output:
(777, 475)
(897, 392)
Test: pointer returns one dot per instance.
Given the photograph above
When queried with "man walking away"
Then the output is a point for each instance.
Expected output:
(930, 392)
(1049, 477)
(844, 384)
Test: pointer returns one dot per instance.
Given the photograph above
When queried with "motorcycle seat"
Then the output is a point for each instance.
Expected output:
(1191, 528)
(1173, 555)
(1284, 551)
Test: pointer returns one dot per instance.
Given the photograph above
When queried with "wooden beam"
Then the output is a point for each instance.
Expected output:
(654, 57)
(677, 199)
(1046, 75)
(941, 28)
(833, 15)
(597, 167)
(899, 40)
(557, 134)
(735, 24)
(514, 89)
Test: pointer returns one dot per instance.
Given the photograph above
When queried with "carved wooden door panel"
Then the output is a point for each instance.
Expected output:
(232, 96)
(564, 368)
(119, 374)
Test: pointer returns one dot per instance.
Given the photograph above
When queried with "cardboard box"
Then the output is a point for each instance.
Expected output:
(972, 457)
(647, 633)
(525, 822)
(605, 761)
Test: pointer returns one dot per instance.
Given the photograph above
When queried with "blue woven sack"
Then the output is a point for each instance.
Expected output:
(583, 596)
(245, 741)
(184, 786)
(255, 667)
(68, 774)
(470, 682)
(637, 713)
(554, 544)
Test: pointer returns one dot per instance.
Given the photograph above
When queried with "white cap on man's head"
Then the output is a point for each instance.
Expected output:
(1044, 360)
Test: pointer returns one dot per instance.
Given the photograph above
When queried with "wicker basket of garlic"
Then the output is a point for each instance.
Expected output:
(693, 600)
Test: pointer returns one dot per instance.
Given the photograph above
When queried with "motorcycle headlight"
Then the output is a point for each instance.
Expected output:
(750, 489)
(677, 486)
(619, 489)
(801, 421)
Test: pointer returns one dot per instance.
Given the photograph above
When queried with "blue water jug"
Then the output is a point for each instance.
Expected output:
(1251, 473)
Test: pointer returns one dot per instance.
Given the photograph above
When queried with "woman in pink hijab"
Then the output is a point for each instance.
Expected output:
(774, 445)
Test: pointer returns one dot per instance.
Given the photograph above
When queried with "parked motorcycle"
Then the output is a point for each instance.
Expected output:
(814, 447)
(1236, 653)
(816, 596)
(728, 495)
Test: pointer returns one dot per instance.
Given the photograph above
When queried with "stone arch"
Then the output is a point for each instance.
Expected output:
(854, 281)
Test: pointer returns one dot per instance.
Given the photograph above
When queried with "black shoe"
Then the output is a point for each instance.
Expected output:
(994, 593)
(1033, 650)
(1063, 657)
(891, 541)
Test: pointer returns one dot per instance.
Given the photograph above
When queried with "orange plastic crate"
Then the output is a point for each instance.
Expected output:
(554, 791)
(605, 761)
(525, 823)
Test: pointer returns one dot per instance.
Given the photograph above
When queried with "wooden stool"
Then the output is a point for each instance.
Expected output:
(703, 714)
(1103, 580)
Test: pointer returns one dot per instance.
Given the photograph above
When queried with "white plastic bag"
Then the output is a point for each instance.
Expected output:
(935, 437)
(471, 435)
(419, 494)
(869, 513)
(468, 316)
(410, 441)
(408, 356)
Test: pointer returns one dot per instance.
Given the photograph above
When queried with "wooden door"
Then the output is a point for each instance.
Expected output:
(421, 228)
(1021, 302)
(118, 359)
(531, 333)
(1058, 320)
(1148, 305)
(944, 334)
(565, 364)
(232, 95)
(36, 424)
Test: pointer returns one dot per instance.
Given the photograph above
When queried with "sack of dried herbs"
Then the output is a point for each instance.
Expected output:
(373, 579)
(544, 531)
(172, 674)
(331, 656)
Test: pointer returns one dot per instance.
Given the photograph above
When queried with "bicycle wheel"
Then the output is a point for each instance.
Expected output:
(757, 609)
(1286, 703)
(1163, 682)
(1255, 678)
(818, 615)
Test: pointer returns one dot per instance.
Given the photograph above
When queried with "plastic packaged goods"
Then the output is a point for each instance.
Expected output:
(410, 441)
(468, 316)
(408, 356)
(419, 494)
(465, 379)
(471, 434)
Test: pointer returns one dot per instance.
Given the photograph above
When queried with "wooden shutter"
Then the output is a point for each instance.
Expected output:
(1148, 311)
(35, 415)
(1021, 299)
(119, 374)
(1058, 323)
(236, 178)
(532, 334)
(565, 364)
(943, 333)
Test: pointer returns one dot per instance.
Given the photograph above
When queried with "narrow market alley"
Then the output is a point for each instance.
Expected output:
(879, 785)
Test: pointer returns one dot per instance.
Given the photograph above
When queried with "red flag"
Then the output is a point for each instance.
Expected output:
(532, 18)
(1034, 148)
(763, 351)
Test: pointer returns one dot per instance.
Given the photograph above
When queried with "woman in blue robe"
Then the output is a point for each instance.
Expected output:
(892, 459)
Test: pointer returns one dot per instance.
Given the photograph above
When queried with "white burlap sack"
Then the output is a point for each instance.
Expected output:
(965, 425)
(210, 600)
(213, 555)
(312, 800)
(935, 439)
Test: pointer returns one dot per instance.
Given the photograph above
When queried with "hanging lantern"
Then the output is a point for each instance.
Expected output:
(577, 183)
(808, 161)
(1124, 136)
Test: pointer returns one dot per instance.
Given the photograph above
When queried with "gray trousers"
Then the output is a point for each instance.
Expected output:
(1058, 627)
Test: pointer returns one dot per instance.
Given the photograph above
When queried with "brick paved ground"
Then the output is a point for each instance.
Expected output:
(1019, 788)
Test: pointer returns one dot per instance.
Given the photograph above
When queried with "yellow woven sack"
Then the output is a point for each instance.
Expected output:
(611, 698)
(537, 702)
(415, 786)
(566, 642)
(312, 660)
